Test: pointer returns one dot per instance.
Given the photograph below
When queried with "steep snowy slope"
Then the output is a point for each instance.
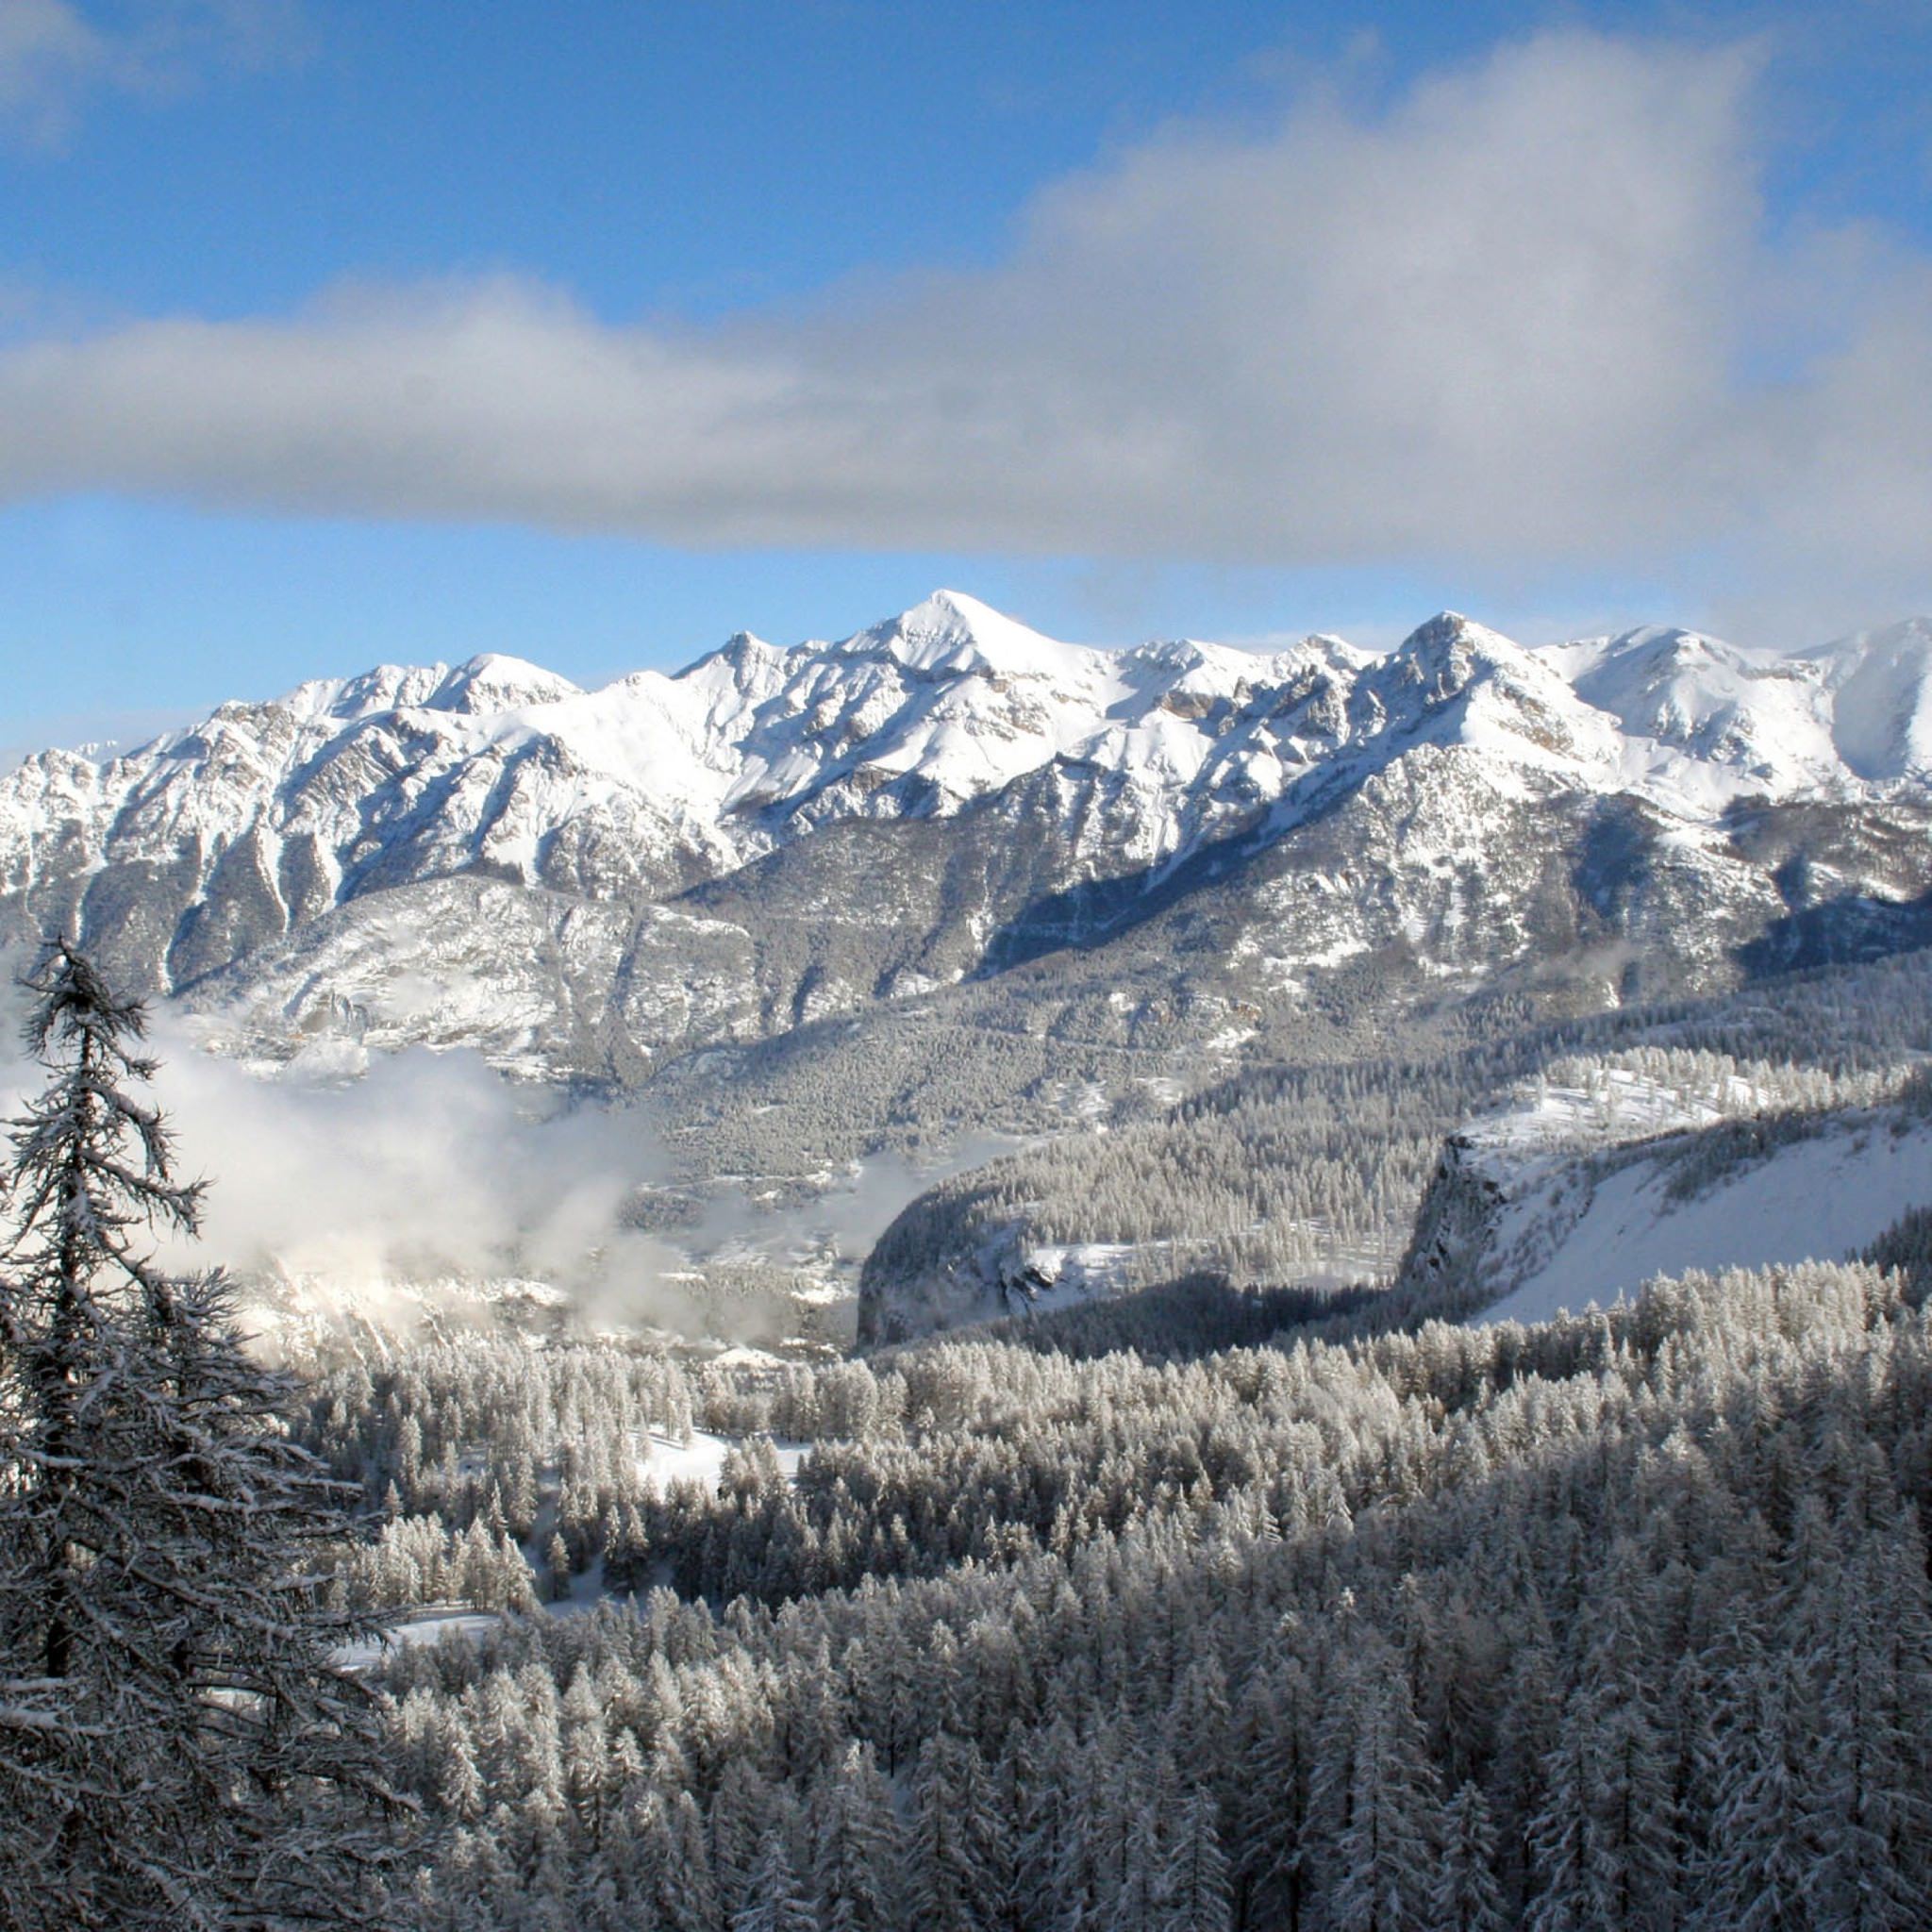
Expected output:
(1580, 1198)
(1821, 1198)
(1700, 717)
(1880, 684)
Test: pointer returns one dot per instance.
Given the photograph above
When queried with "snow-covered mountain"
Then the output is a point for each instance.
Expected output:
(591, 883)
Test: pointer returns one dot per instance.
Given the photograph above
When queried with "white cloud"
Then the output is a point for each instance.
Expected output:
(48, 56)
(54, 57)
(1520, 320)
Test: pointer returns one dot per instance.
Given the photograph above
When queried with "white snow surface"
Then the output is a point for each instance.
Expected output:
(1880, 684)
(430, 1628)
(1684, 701)
(1573, 1230)
(702, 1459)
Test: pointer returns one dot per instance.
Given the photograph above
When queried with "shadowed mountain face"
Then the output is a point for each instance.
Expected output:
(1176, 844)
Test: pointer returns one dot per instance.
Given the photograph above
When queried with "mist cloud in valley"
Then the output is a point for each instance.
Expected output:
(424, 1167)
(428, 1166)
(429, 1162)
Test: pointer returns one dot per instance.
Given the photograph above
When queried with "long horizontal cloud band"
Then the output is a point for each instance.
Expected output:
(1521, 317)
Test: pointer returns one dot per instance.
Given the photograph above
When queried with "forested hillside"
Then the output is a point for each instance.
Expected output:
(1620, 1622)
(1211, 1608)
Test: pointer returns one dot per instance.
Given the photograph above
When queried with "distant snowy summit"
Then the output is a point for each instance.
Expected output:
(951, 700)
(256, 844)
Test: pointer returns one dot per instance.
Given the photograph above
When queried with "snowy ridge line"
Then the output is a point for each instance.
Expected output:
(342, 786)
(597, 886)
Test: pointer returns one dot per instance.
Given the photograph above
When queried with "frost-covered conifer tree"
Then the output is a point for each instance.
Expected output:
(1466, 1897)
(858, 1860)
(961, 1855)
(1377, 1794)
(177, 1748)
(1195, 1893)
(775, 1901)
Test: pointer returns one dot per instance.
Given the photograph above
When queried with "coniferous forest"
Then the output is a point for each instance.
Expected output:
(1266, 1614)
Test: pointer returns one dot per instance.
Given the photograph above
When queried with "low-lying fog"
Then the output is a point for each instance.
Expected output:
(432, 1168)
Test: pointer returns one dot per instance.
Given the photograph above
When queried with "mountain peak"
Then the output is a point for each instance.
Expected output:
(1451, 652)
(955, 608)
(950, 631)
(1449, 631)
(743, 660)
(1755, 713)
(382, 687)
(493, 682)
(1476, 688)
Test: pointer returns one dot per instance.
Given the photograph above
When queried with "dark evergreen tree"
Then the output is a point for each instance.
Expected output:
(858, 1862)
(961, 1849)
(177, 1747)
(1194, 1892)
(1467, 1897)
(1375, 1792)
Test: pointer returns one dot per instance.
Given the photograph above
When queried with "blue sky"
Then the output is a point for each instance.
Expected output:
(334, 333)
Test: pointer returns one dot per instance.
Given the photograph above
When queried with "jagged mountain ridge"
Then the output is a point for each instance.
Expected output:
(593, 883)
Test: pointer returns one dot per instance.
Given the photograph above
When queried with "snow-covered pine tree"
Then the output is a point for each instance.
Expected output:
(858, 1865)
(774, 1901)
(177, 1748)
(1466, 1897)
(1195, 1895)
(687, 1897)
(960, 1851)
(1752, 1878)
(1376, 1795)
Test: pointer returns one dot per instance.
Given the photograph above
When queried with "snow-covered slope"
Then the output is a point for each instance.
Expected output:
(1880, 686)
(588, 881)
(1701, 718)
(1818, 1199)
(1572, 1199)
(1859, 710)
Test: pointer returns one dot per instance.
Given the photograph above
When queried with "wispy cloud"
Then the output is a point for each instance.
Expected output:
(432, 1165)
(57, 57)
(1529, 316)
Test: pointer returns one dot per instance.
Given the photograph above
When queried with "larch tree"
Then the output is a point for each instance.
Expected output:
(774, 1901)
(857, 1859)
(178, 1747)
(1466, 1897)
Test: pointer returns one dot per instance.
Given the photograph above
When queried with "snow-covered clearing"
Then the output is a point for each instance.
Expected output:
(702, 1459)
(430, 1626)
